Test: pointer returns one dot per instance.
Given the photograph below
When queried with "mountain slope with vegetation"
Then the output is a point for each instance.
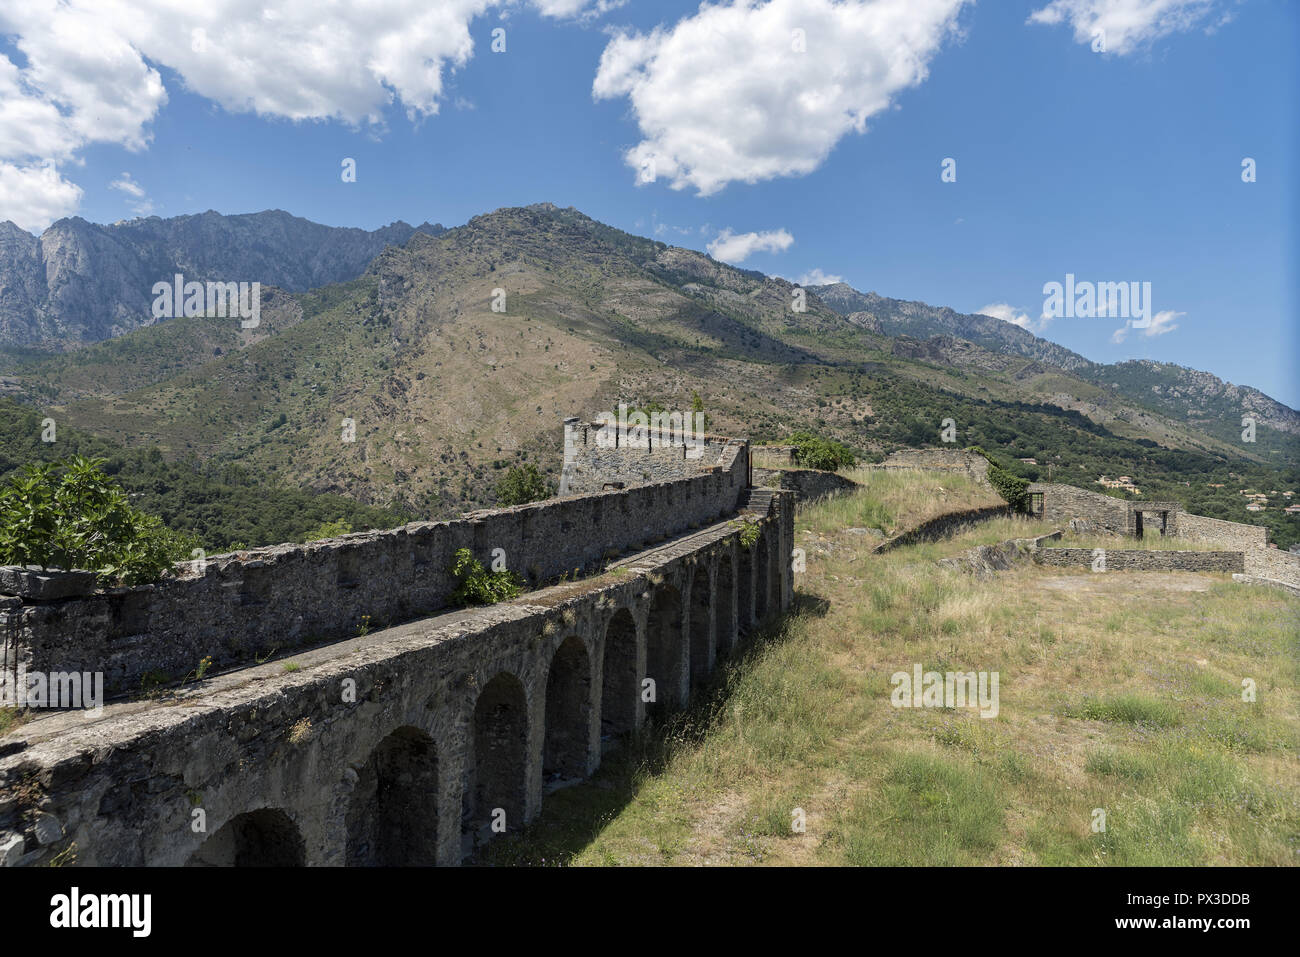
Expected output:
(405, 389)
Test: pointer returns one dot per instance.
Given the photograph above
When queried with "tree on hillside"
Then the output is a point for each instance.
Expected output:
(814, 452)
(521, 485)
(70, 515)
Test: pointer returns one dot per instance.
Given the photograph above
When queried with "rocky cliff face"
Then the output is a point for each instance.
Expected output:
(80, 281)
(895, 317)
(1197, 396)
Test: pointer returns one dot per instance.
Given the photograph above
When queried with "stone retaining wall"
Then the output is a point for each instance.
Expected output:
(942, 526)
(1147, 560)
(949, 460)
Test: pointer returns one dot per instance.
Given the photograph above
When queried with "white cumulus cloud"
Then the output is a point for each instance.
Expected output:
(1160, 323)
(127, 185)
(735, 248)
(726, 94)
(35, 196)
(815, 277)
(1126, 25)
(1017, 317)
(91, 74)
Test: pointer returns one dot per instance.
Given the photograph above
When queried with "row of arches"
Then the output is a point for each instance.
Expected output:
(392, 816)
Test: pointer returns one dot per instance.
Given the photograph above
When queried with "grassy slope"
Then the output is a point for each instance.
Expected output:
(1117, 692)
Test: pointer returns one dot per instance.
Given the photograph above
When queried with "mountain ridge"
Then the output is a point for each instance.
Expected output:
(83, 282)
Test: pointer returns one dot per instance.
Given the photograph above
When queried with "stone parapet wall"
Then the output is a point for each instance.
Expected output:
(1147, 560)
(1274, 564)
(809, 485)
(1198, 528)
(597, 457)
(240, 606)
(1062, 504)
(951, 460)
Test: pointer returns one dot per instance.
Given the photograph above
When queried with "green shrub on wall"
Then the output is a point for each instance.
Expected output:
(475, 585)
(1013, 489)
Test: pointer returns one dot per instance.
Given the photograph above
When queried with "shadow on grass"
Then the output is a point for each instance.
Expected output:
(573, 817)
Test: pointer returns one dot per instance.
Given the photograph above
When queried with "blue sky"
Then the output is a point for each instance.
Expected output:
(1114, 165)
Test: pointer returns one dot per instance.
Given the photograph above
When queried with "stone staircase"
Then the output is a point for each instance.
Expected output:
(757, 501)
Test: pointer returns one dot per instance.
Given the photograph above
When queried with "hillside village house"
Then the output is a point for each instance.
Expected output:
(1124, 482)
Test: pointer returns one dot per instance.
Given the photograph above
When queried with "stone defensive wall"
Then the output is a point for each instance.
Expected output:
(809, 485)
(947, 460)
(773, 456)
(410, 743)
(599, 456)
(941, 526)
(1273, 565)
(408, 746)
(252, 603)
(1063, 504)
(1198, 528)
(1066, 504)
(1145, 560)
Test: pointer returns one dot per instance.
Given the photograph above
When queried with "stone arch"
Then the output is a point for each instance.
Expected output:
(724, 619)
(392, 818)
(266, 837)
(775, 559)
(763, 584)
(745, 591)
(700, 624)
(567, 738)
(621, 686)
(664, 652)
(496, 765)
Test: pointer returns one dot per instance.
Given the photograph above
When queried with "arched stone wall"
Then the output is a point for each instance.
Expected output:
(566, 749)
(621, 671)
(700, 626)
(419, 729)
(266, 837)
(496, 767)
(392, 818)
(665, 650)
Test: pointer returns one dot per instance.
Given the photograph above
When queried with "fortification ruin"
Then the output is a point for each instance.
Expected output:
(1245, 548)
(413, 742)
(441, 727)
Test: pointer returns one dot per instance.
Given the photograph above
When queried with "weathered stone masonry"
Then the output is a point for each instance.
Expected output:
(1146, 560)
(1249, 543)
(249, 604)
(454, 719)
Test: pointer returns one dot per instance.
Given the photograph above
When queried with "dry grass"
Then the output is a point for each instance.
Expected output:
(1125, 698)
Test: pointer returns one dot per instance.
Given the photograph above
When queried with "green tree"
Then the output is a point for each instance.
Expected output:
(522, 484)
(814, 452)
(69, 514)
(340, 526)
